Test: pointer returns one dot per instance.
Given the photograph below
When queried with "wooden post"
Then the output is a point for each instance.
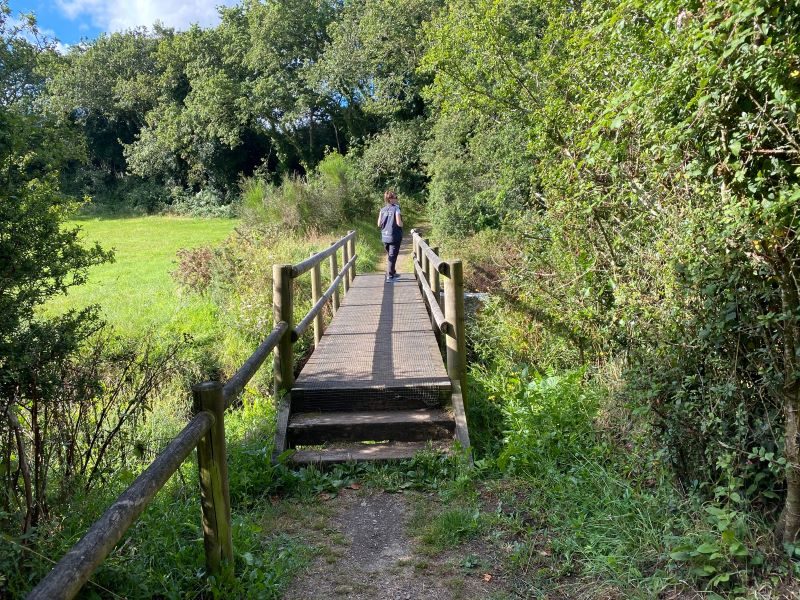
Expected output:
(213, 465)
(282, 311)
(436, 287)
(435, 281)
(345, 260)
(352, 243)
(316, 294)
(334, 274)
(425, 264)
(454, 313)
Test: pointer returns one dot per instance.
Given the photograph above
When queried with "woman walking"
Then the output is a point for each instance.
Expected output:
(390, 222)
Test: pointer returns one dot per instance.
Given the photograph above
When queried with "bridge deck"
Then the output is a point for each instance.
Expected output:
(379, 340)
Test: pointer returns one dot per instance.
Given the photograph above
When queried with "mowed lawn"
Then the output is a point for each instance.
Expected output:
(136, 292)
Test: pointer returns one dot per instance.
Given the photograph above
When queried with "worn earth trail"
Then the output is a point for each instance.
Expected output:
(365, 550)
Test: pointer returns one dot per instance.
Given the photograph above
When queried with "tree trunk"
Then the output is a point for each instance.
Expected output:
(791, 510)
(790, 301)
(24, 468)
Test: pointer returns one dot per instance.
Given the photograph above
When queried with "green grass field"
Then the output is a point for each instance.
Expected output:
(137, 292)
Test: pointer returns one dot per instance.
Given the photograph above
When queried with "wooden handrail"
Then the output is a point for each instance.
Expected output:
(426, 263)
(78, 564)
(433, 304)
(245, 373)
(437, 263)
(308, 264)
(309, 318)
(283, 303)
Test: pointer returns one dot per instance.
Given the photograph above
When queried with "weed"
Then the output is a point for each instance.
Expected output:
(450, 528)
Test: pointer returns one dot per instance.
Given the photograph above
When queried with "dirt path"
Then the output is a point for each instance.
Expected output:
(365, 550)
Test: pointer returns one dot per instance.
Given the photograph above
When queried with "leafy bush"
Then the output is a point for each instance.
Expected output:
(548, 420)
(205, 203)
(127, 195)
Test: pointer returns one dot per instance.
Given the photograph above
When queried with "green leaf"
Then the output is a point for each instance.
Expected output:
(707, 548)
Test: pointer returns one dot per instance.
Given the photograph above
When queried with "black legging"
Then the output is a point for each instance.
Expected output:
(393, 250)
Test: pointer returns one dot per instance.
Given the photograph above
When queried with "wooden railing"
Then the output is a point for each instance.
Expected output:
(283, 307)
(447, 310)
(206, 432)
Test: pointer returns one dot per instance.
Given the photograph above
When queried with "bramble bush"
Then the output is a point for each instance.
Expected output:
(658, 223)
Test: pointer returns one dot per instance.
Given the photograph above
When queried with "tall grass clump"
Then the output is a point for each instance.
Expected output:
(330, 197)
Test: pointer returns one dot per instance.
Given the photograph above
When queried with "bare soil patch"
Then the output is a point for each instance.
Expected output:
(365, 551)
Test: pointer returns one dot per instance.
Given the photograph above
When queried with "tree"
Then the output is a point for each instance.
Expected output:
(105, 89)
(39, 256)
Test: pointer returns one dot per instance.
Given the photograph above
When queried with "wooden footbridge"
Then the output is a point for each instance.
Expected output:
(376, 387)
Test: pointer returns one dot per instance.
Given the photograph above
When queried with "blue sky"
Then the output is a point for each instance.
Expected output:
(72, 20)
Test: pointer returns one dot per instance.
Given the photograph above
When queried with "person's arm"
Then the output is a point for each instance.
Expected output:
(398, 218)
(380, 215)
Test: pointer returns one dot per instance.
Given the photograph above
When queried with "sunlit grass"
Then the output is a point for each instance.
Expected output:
(136, 292)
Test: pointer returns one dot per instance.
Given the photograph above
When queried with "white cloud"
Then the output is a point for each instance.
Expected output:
(118, 15)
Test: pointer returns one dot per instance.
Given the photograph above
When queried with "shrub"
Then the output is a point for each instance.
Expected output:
(194, 268)
(205, 203)
(548, 420)
(330, 197)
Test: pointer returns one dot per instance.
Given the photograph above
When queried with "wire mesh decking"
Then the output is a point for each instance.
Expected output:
(379, 350)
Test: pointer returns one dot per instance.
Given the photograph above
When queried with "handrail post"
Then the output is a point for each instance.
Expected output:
(213, 466)
(352, 243)
(436, 287)
(414, 251)
(316, 294)
(334, 274)
(345, 260)
(426, 264)
(454, 313)
(435, 280)
(282, 311)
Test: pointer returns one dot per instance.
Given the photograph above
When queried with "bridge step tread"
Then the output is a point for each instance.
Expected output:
(392, 451)
(400, 425)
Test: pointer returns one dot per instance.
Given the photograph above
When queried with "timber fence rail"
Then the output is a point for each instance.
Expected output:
(206, 432)
(283, 311)
(446, 309)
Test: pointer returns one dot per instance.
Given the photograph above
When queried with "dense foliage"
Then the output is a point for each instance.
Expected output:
(658, 203)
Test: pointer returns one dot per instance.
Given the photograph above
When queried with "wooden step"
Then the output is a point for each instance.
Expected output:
(398, 425)
(358, 398)
(392, 451)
